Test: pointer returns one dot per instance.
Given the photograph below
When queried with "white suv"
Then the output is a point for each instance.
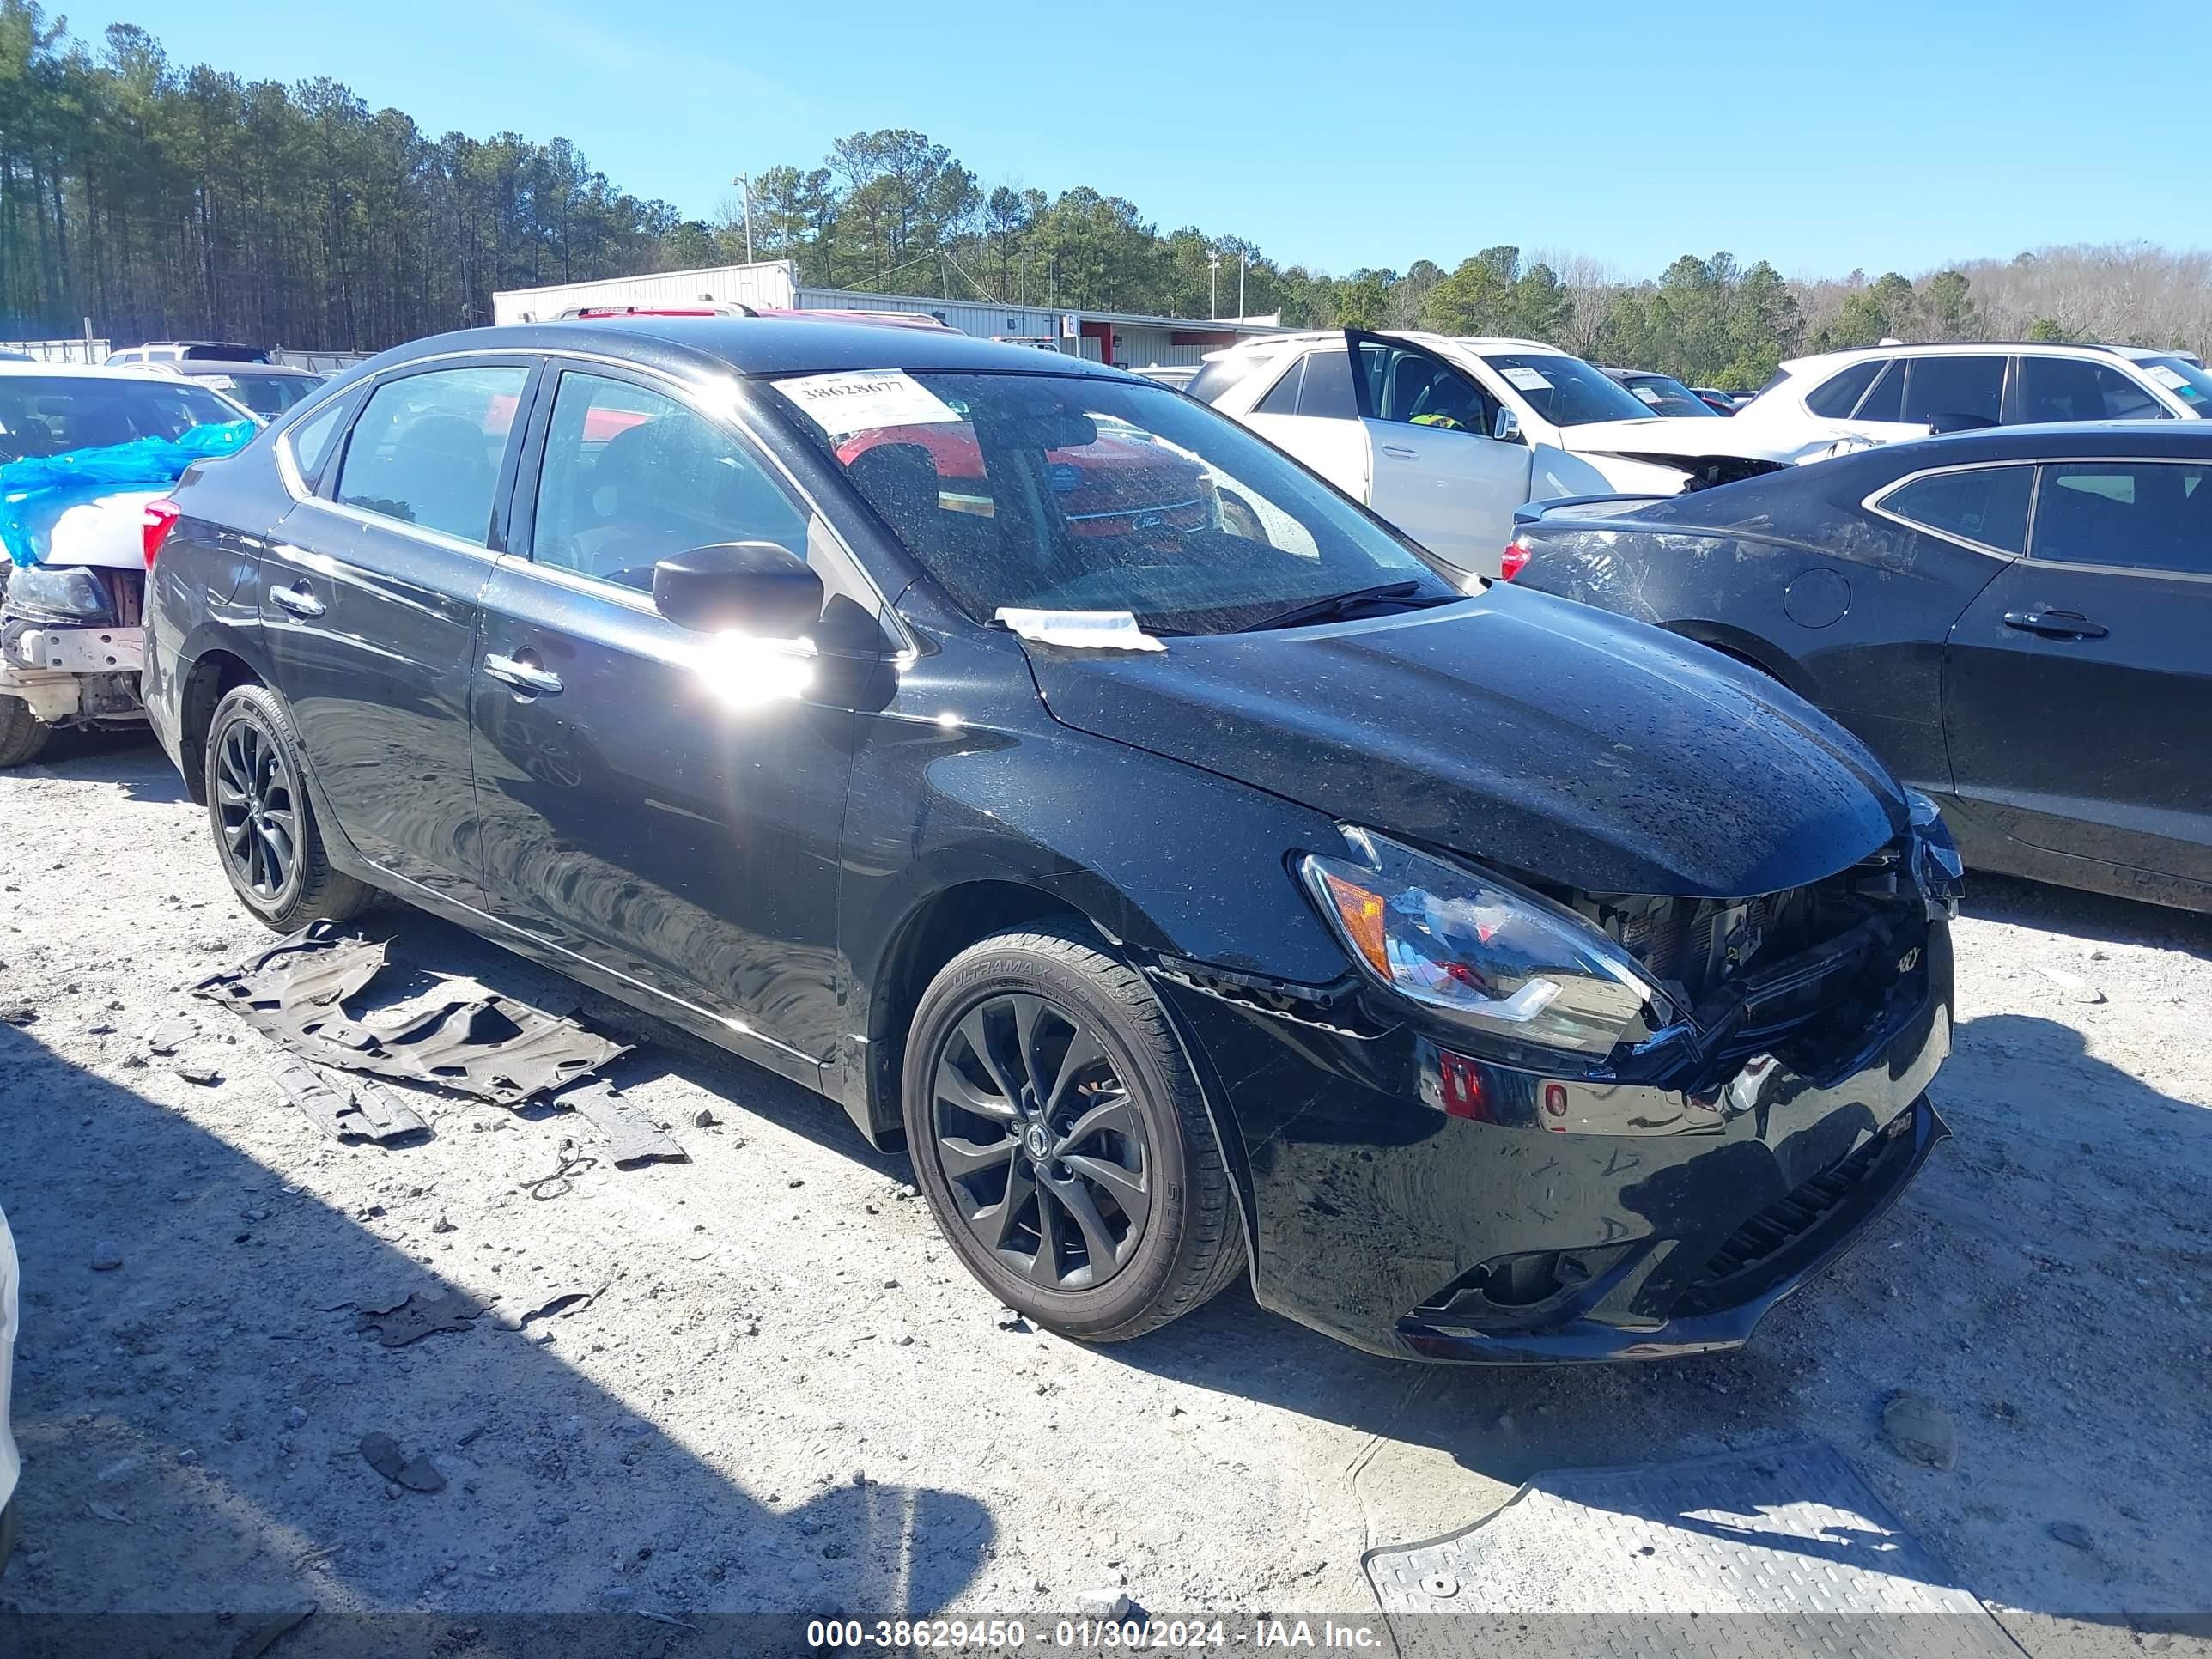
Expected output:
(1884, 394)
(1446, 437)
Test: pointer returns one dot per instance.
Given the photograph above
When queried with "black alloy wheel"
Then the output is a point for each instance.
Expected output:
(1046, 1155)
(256, 811)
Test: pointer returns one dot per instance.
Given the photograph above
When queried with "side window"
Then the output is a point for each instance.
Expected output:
(1987, 505)
(1412, 389)
(1937, 387)
(632, 477)
(427, 448)
(1283, 398)
(2134, 515)
(1886, 400)
(1208, 384)
(1326, 394)
(310, 441)
(1835, 399)
(2070, 389)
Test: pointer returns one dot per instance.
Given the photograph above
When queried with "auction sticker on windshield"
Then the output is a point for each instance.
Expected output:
(866, 399)
(1529, 379)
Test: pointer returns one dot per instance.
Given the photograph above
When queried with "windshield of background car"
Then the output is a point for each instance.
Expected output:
(2184, 380)
(268, 395)
(1061, 493)
(1566, 390)
(1660, 396)
(50, 415)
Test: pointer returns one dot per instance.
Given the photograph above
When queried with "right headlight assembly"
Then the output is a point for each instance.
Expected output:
(1491, 956)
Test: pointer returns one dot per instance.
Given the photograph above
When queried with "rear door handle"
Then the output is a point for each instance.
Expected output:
(1398, 452)
(522, 676)
(300, 601)
(2055, 624)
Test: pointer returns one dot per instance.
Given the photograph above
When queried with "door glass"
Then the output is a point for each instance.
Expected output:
(2138, 515)
(426, 449)
(1326, 394)
(1835, 400)
(1886, 402)
(1937, 387)
(1412, 389)
(2070, 389)
(1988, 505)
(632, 477)
(1283, 398)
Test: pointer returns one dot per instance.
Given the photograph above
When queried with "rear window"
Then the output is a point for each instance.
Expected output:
(1988, 505)
(1208, 384)
(1835, 398)
(2136, 515)
(1662, 395)
(266, 395)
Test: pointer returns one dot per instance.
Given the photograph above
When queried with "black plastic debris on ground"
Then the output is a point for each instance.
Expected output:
(631, 1136)
(420, 1315)
(346, 1109)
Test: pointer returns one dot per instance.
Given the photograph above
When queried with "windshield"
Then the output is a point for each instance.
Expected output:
(1565, 390)
(2184, 380)
(1061, 492)
(50, 415)
(1661, 395)
(266, 395)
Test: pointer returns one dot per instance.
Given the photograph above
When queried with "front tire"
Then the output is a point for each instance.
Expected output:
(22, 735)
(265, 833)
(1061, 1141)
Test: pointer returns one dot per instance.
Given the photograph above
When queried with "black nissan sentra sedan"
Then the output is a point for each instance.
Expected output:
(1081, 792)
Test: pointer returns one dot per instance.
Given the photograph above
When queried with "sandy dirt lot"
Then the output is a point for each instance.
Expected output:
(785, 1395)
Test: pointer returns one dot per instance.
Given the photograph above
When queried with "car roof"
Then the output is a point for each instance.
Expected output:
(80, 371)
(1968, 348)
(759, 346)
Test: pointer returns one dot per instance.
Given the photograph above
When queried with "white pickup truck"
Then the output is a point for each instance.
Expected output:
(1446, 437)
(71, 647)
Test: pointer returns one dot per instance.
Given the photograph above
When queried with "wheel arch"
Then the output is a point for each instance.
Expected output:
(214, 674)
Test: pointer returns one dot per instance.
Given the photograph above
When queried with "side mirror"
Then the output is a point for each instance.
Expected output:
(759, 588)
(1506, 428)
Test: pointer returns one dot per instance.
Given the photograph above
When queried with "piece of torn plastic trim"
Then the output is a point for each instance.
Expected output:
(492, 1047)
(1084, 630)
(420, 1315)
(629, 1137)
(344, 1111)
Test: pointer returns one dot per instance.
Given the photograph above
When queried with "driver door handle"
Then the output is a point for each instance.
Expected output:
(1399, 452)
(300, 601)
(524, 676)
(2055, 624)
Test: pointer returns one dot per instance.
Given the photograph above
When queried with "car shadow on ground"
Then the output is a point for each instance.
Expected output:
(2097, 917)
(227, 1388)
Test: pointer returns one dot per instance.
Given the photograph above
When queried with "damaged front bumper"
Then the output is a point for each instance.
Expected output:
(68, 674)
(1582, 1223)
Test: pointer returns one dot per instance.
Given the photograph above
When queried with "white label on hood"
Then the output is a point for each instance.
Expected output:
(1528, 380)
(866, 400)
(1087, 630)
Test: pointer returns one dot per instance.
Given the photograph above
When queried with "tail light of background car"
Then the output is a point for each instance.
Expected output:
(159, 517)
(1513, 560)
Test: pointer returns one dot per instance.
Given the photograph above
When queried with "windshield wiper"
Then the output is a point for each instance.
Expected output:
(1336, 605)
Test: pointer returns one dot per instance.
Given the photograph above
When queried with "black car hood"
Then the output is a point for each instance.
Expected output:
(1519, 730)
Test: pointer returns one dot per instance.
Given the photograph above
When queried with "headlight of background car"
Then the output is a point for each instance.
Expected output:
(65, 592)
(1490, 955)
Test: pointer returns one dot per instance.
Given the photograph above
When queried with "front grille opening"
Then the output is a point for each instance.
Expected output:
(1754, 1252)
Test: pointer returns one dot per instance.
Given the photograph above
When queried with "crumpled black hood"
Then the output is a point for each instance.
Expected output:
(1517, 729)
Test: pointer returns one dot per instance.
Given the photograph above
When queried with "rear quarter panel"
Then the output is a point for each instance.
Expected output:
(1847, 609)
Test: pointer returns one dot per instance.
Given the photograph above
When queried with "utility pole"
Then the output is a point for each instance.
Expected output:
(743, 181)
(1244, 264)
(1213, 291)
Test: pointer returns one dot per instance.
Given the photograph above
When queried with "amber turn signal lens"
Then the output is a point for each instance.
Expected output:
(1361, 912)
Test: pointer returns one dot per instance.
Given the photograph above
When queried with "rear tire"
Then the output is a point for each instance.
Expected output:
(22, 735)
(1037, 1055)
(264, 828)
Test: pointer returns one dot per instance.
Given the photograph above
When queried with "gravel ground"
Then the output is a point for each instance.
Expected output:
(786, 1394)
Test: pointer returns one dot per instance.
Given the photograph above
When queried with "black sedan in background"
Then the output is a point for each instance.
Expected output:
(2018, 621)
(1078, 790)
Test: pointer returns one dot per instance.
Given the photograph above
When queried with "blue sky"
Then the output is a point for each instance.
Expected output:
(1819, 136)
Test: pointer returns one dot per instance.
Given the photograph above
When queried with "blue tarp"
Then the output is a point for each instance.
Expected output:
(34, 490)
